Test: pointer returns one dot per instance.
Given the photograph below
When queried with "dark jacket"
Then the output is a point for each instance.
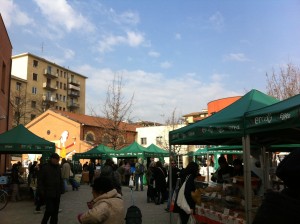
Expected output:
(160, 174)
(279, 207)
(50, 183)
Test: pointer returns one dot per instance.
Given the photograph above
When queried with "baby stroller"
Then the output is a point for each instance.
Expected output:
(74, 183)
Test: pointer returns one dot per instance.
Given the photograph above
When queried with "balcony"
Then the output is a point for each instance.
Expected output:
(51, 99)
(48, 86)
(73, 104)
(73, 93)
(50, 74)
(70, 86)
(73, 81)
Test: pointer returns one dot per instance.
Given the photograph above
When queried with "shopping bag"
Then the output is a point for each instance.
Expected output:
(131, 184)
(181, 200)
(192, 220)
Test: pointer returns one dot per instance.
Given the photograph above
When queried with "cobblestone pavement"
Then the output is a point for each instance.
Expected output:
(74, 202)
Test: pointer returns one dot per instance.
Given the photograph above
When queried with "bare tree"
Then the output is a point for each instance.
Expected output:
(25, 105)
(284, 84)
(116, 111)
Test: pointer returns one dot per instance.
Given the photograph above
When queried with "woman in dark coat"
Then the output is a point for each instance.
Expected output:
(160, 174)
(190, 173)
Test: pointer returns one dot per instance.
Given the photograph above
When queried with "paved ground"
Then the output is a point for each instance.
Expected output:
(74, 202)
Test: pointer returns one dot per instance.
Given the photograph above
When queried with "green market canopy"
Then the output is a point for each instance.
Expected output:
(136, 150)
(225, 127)
(275, 124)
(99, 151)
(223, 149)
(20, 140)
(155, 151)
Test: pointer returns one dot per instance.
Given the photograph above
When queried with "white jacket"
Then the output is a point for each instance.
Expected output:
(108, 208)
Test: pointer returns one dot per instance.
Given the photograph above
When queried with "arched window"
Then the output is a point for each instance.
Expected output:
(90, 137)
(105, 139)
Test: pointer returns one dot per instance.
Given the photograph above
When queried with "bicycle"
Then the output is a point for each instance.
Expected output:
(3, 197)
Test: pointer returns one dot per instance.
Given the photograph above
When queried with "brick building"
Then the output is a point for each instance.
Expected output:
(66, 128)
(5, 75)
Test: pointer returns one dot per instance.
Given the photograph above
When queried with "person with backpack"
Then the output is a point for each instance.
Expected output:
(139, 174)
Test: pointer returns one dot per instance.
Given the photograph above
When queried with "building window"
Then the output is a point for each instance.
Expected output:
(64, 98)
(61, 73)
(35, 63)
(32, 116)
(65, 75)
(59, 108)
(65, 86)
(57, 84)
(56, 107)
(159, 140)
(3, 77)
(33, 90)
(90, 137)
(34, 77)
(18, 86)
(33, 104)
(60, 97)
(60, 85)
(64, 109)
(17, 115)
(17, 100)
(144, 141)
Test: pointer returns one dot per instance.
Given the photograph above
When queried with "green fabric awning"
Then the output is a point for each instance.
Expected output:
(133, 150)
(20, 140)
(99, 151)
(155, 151)
(225, 127)
(275, 124)
(223, 149)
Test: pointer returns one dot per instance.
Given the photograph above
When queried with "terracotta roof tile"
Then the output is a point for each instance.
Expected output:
(92, 120)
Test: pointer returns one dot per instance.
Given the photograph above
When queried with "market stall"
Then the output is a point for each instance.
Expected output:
(226, 128)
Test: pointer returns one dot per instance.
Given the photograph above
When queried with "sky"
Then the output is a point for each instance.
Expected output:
(171, 54)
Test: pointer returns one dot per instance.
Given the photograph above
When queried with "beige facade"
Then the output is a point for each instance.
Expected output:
(48, 85)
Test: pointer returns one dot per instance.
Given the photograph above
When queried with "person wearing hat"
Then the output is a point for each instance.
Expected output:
(51, 187)
(107, 206)
(284, 206)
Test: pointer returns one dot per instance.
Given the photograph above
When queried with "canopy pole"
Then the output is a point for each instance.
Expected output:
(247, 179)
(170, 182)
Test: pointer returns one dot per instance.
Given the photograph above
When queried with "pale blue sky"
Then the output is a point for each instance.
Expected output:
(171, 53)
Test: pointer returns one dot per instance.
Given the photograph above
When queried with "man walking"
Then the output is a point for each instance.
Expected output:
(139, 174)
(51, 187)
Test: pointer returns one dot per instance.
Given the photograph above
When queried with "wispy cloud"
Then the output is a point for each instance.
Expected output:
(132, 39)
(216, 21)
(127, 17)
(166, 64)
(235, 57)
(154, 54)
(60, 13)
(12, 14)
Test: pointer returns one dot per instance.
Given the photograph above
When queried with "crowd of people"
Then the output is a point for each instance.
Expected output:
(49, 180)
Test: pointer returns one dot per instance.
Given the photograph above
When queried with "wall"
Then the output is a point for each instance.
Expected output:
(5, 74)
(217, 105)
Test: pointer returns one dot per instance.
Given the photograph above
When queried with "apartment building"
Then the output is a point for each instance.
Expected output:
(5, 68)
(38, 84)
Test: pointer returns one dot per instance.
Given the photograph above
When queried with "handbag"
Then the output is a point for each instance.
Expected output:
(181, 200)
